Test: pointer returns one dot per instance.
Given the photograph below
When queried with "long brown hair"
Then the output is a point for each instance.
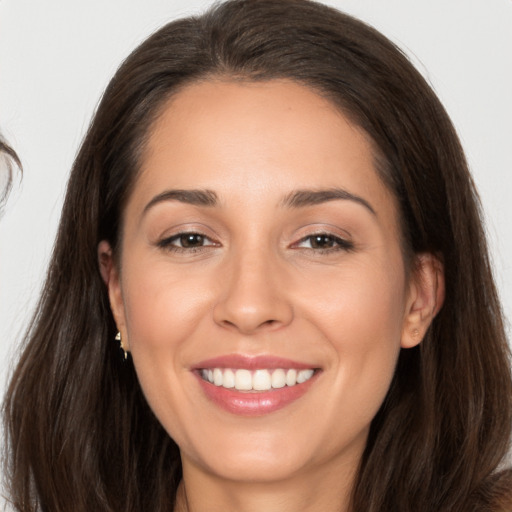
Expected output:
(81, 436)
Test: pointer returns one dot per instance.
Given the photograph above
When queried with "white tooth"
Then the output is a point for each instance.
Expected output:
(243, 380)
(217, 377)
(309, 374)
(261, 380)
(304, 375)
(278, 379)
(229, 379)
(204, 374)
(210, 376)
(291, 377)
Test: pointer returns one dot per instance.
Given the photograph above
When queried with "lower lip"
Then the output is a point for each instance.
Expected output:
(256, 403)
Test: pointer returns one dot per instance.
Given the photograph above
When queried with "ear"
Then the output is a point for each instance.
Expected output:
(110, 274)
(426, 296)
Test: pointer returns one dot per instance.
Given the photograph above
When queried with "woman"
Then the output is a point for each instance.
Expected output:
(272, 215)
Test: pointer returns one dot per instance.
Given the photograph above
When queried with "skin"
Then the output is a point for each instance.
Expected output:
(259, 286)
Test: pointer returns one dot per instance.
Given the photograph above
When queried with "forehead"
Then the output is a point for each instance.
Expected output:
(253, 140)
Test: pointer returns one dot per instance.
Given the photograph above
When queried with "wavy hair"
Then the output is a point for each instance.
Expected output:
(81, 436)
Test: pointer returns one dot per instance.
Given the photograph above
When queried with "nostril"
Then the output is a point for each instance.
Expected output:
(247, 326)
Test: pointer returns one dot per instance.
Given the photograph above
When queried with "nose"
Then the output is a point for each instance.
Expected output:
(253, 296)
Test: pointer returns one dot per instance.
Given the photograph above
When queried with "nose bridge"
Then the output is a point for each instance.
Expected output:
(252, 298)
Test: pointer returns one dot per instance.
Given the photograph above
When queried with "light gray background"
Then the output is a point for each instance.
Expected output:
(56, 57)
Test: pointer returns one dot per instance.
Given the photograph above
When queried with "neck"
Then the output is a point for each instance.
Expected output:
(317, 492)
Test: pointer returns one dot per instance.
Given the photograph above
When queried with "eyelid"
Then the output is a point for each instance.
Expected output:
(166, 242)
(183, 228)
(177, 236)
(343, 241)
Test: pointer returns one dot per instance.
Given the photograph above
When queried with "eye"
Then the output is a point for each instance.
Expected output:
(324, 242)
(188, 241)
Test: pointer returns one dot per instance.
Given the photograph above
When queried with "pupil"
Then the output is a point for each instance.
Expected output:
(192, 240)
(322, 241)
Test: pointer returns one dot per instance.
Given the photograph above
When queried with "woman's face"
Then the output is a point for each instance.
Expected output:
(261, 250)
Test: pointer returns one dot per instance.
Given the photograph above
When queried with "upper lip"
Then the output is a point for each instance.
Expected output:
(252, 362)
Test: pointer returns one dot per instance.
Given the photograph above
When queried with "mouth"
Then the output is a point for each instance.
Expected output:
(262, 379)
(254, 386)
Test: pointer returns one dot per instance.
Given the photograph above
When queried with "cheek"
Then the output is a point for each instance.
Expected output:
(164, 311)
(162, 307)
(360, 315)
(358, 306)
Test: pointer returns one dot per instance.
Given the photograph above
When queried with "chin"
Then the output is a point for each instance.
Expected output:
(253, 467)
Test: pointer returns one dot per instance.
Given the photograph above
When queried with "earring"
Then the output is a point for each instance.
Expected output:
(118, 338)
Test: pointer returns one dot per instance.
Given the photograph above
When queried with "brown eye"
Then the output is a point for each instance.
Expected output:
(191, 240)
(186, 241)
(322, 242)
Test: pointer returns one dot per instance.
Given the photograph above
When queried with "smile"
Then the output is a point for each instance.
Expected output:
(255, 385)
(256, 380)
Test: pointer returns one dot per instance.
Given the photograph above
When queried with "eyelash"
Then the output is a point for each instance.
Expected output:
(339, 244)
(168, 243)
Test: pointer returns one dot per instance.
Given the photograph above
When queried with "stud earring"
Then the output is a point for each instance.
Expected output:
(118, 338)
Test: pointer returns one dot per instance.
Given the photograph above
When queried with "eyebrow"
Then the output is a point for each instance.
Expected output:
(194, 197)
(296, 199)
(302, 198)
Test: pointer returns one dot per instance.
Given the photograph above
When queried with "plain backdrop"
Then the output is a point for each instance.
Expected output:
(57, 56)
